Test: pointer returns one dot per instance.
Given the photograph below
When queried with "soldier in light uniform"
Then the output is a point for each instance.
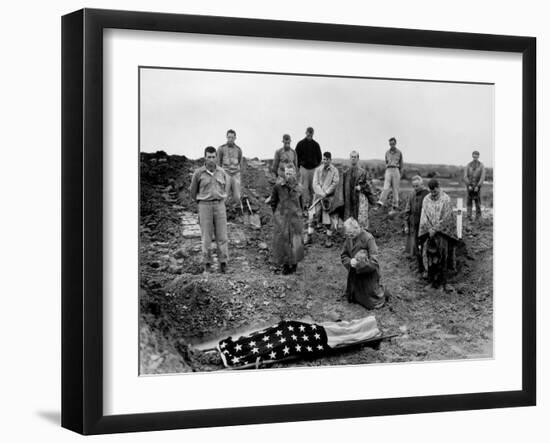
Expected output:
(474, 176)
(230, 158)
(284, 157)
(209, 187)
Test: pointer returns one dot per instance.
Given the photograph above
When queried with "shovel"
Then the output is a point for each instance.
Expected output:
(245, 216)
(253, 219)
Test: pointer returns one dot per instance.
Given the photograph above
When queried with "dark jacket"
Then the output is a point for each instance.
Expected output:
(353, 177)
(286, 202)
(309, 153)
(363, 285)
(413, 210)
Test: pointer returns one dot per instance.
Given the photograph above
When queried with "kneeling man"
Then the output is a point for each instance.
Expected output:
(360, 258)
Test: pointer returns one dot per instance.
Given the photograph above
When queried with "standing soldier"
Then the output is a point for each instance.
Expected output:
(285, 156)
(413, 210)
(437, 235)
(309, 159)
(209, 187)
(392, 176)
(325, 182)
(474, 176)
(286, 202)
(357, 192)
(230, 158)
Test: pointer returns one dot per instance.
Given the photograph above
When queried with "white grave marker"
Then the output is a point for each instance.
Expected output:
(459, 208)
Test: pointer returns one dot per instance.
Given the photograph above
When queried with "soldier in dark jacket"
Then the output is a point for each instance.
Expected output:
(286, 202)
(357, 192)
(309, 159)
(413, 210)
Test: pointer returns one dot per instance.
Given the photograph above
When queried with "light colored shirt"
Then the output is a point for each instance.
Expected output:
(209, 185)
(474, 173)
(230, 158)
(284, 157)
(394, 158)
(325, 180)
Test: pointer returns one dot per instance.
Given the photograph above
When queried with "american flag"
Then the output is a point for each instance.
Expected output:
(287, 339)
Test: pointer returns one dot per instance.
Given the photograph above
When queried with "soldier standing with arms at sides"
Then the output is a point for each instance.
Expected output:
(357, 192)
(474, 176)
(309, 159)
(392, 177)
(286, 202)
(209, 187)
(284, 157)
(230, 158)
(325, 181)
(413, 211)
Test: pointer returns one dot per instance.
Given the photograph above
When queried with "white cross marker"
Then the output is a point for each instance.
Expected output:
(459, 208)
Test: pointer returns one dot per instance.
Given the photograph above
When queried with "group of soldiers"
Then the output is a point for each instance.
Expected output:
(308, 187)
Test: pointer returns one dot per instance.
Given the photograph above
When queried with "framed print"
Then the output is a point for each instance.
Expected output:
(269, 221)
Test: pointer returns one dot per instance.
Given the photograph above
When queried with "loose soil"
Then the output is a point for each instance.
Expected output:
(183, 312)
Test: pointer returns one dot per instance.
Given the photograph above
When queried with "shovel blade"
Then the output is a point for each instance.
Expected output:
(255, 221)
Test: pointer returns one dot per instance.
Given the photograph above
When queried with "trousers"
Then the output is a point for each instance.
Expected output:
(391, 181)
(213, 222)
(235, 187)
(330, 221)
(306, 180)
(474, 197)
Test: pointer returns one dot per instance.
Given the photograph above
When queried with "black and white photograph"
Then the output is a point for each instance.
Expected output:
(275, 221)
(291, 220)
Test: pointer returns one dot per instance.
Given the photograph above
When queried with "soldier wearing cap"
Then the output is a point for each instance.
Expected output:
(284, 157)
(474, 176)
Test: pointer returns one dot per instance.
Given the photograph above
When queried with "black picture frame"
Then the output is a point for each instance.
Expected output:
(82, 219)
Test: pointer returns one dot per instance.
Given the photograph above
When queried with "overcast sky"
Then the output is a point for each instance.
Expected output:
(183, 111)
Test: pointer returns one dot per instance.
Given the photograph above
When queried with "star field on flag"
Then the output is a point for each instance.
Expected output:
(275, 343)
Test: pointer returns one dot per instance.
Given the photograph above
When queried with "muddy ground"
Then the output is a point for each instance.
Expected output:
(183, 311)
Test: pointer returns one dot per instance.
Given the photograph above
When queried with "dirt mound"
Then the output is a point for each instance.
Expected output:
(182, 309)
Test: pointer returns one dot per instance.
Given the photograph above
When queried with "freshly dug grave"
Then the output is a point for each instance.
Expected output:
(182, 310)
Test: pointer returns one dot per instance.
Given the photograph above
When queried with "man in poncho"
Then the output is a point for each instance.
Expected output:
(413, 210)
(286, 202)
(437, 235)
(360, 258)
(357, 192)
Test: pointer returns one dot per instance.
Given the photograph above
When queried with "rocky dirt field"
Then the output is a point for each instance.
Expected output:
(183, 312)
